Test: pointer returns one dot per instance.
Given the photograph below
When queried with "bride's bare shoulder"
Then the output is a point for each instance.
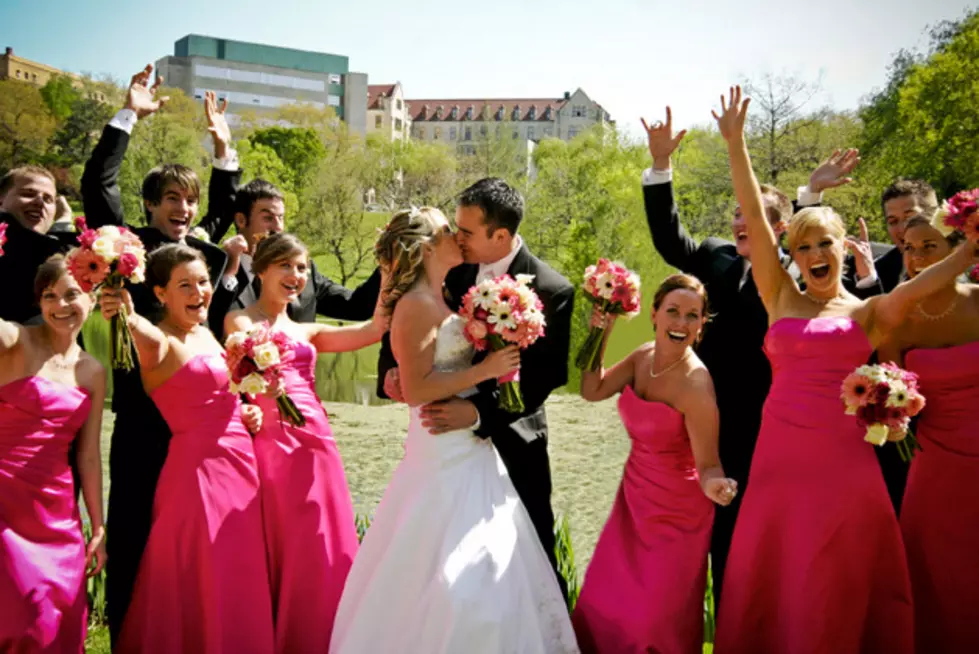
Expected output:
(418, 312)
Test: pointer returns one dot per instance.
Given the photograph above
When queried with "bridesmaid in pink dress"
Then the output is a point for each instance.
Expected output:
(644, 590)
(203, 582)
(50, 393)
(309, 518)
(940, 513)
(817, 563)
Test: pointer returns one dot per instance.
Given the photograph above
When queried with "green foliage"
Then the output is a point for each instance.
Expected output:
(26, 124)
(298, 148)
(564, 551)
(363, 523)
(261, 161)
(60, 96)
(78, 133)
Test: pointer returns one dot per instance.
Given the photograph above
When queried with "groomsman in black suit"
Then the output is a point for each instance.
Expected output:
(140, 437)
(259, 209)
(732, 343)
(487, 216)
(28, 201)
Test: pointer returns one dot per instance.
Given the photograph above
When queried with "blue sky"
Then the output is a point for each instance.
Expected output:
(632, 56)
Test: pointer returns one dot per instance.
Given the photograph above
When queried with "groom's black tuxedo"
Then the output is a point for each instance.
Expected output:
(140, 436)
(521, 439)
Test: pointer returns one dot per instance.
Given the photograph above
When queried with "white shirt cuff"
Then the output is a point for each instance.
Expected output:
(125, 120)
(476, 425)
(651, 176)
(869, 280)
(229, 162)
(807, 198)
(230, 283)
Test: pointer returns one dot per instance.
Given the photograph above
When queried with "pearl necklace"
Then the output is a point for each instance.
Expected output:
(822, 301)
(654, 375)
(930, 316)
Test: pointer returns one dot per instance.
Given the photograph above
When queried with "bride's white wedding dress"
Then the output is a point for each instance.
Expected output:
(451, 563)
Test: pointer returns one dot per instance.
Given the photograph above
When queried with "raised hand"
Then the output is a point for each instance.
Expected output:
(734, 111)
(720, 490)
(217, 124)
(140, 97)
(863, 255)
(95, 553)
(600, 319)
(112, 301)
(833, 172)
(500, 362)
(251, 416)
(235, 246)
(662, 142)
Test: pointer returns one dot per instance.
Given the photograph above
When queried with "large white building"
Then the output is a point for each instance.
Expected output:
(387, 112)
(461, 122)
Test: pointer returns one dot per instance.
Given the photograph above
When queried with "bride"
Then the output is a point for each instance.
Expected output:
(451, 562)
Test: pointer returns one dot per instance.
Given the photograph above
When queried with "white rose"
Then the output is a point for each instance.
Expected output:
(111, 232)
(266, 355)
(523, 279)
(105, 248)
(236, 339)
(253, 384)
(877, 434)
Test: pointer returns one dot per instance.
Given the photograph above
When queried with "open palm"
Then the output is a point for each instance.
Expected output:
(141, 98)
(662, 142)
(734, 111)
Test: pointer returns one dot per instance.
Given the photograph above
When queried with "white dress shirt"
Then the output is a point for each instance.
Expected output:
(804, 198)
(126, 119)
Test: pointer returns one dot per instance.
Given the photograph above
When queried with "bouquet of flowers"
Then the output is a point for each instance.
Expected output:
(255, 358)
(961, 212)
(973, 274)
(501, 312)
(3, 237)
(884, 398)
(614, 289)
(108, 256)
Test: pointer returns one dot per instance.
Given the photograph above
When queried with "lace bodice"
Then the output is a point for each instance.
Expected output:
(452, 350)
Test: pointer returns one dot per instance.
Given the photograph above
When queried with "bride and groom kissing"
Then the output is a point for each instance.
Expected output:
(460, 554)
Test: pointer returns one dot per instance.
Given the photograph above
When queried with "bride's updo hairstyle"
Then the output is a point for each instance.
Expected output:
(401, 249)
(811, 217)
(276, 247)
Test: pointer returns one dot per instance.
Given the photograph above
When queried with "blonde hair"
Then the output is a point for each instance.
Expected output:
(811, 217)
(400, 249)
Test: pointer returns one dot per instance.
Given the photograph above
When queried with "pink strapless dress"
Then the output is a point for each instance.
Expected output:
(644, 590)
(43, 605)
(203, 583)
(817, 563)
(940, 513)
(309, 518)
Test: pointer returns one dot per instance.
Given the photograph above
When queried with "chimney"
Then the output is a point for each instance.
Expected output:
(8, 51)
(567, 95)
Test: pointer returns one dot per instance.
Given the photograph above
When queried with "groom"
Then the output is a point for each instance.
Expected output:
(488, 216)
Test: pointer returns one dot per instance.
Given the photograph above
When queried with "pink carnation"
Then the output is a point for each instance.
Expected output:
(128, 264)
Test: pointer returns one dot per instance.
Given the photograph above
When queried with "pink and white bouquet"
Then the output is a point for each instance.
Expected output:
(614, 289)
(109, 256)
(961, 212)
(884, 398)
(500, 312)
(3, 237)
(973, 274)
(255, 359)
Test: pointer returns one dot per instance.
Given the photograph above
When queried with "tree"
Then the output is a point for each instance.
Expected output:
(498, 151)
(78, 133)
(60, 95)
(298, 148)
(26, 124)
(261, 161)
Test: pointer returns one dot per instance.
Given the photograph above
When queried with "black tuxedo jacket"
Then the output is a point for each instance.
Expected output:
(321, 296)
(24, 251)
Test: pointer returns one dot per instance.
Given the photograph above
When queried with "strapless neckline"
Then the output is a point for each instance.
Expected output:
(182, 370)
(651, 403)
(849, 319)
(50, 382)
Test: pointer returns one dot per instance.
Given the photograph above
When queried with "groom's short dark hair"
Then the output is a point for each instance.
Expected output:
(501, 203)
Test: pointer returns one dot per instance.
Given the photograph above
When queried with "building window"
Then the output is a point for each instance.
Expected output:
(438, 133)
(548, 131)
(420, 131)
(438, 112)
(18, 74)
(578, 111)
(468, 134)
(269, 79)
(530, 132)
(398, 104)
(377, 122)
(33, 77)
(468, 149)
(335, 79)
(516, 133)
(455, 113)
(516, 112)
(572, 132)
(453, 133)
(482, 131)
(547, 114)
(333, 100)
(532, 114)
(398, 125)
(499, 113)
(469, 113)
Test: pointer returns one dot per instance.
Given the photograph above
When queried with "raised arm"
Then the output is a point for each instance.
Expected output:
(330, 338)
(670, 238)
(226, 174)
(100, 181)
(603, 384)
(151, 343)
(89, 460)
(413, 342)
(770, 277)
(702, 420)
(891, 309)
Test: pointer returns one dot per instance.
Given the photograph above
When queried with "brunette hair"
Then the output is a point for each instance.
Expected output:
(10, 178)
(276, 247)
(48, 274)
(681, 281)
(157, 180)
(161, 262)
